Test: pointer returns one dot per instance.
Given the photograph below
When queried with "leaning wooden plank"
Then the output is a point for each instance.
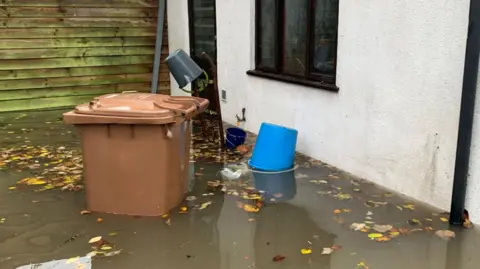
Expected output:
(72, 91)
(81, 3)
(76, 12)
(76, 42)
(31, 33)
(74, 62)
(76, 22)
(77, 71)
(6, 54)
(38, 83)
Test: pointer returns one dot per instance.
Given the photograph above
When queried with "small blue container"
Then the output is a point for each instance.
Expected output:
(277, 187)
(274, 149)
(235, 137)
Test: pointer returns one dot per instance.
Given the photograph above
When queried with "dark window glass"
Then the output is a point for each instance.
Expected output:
(297, 38)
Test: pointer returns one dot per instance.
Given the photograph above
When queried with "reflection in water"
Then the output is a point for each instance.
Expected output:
(38, 226)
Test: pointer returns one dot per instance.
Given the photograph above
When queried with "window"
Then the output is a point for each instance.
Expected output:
(297, 40)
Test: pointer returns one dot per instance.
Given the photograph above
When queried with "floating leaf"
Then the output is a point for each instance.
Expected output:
(362, 265)
(327, 251)
(445, 234)
(414, 222)
(375, 235)
(337, 211)
(306, 251)
(319, 181)
(383, 239)
(250, 208)
(205, 205)
(444, 219)
(99, 220)
(382, 228)
(343, 196)
(113, 233)
(409, 206)
(279, 258)
(183, 210)
(32, 181)
(105, 247)
(400, 208)
(393, 234)
(95, 239)
(12, 188)
(357, 226)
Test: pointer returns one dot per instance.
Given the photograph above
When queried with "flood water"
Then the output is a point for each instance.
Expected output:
(300, 216)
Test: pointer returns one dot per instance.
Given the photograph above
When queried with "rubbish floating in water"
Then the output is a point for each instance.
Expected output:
(72, 263)
(445, 234)
(229, 174)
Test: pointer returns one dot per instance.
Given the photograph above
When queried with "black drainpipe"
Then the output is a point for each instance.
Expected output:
(467, 112)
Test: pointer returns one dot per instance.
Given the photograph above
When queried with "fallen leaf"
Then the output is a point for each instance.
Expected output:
(375, 235)
(343, 196)
(85, 212)
(336, 247)
(99, 220)
(393, 234)
(382, 228)
(399, 207)
(345, 210)
(445, 234)
(306, 251)
(337, 211)
(326, 251)
(165, 216)
(319, 181)
(409, 206)
(444, 219)
(205, 205)
(32, 181)
(113, 233)
(357, 226)
(467, 223)
(383, 239)
(183, 209)
(106, 247)
(362, 265)
(168, 222)
(95, 239)
(279, 258)
(414, 222)
(12, 188)
(250, 208)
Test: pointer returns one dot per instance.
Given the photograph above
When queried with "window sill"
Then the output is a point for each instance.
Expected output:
(294, 80)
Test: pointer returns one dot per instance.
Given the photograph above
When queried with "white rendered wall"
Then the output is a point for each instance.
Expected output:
(178, 34)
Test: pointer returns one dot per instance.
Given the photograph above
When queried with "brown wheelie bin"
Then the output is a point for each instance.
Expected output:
(135, 151)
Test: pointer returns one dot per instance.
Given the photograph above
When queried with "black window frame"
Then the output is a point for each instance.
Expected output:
(311, 78)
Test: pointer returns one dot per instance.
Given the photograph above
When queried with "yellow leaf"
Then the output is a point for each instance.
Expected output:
(383, 239)
(306, 251)
(399, 207)
(12, 188)
(394, 234)
(337, 211)
(205, 205)
(95, 239)
(251, 208)
(112, 233)
(444, 219)
(105, 247)
(375, 235)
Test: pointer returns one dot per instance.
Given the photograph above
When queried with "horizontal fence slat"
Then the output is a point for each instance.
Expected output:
(8, 54)
(31, 33)
(76, 22)
(79, 3)
(76, 12)
(77, 42)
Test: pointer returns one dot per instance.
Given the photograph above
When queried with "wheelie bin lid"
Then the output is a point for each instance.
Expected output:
(136, 108)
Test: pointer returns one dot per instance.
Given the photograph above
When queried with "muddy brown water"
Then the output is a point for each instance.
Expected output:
(46, 226)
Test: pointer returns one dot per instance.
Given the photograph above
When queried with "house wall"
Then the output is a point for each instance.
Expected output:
(473, 189)
(59, 53)
(178, 34)
(394, 120)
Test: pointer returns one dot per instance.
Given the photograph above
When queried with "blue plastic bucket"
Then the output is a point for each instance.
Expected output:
(274, 149)
(235, 137)
(277, 187)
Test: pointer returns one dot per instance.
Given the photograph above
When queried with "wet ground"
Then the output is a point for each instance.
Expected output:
(314, 217)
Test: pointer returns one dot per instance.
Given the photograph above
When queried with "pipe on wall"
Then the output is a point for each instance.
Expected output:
(467, 114)
(158, 45)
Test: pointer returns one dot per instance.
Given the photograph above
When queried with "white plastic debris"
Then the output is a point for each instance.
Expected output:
(229, 174)
(72, 263)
